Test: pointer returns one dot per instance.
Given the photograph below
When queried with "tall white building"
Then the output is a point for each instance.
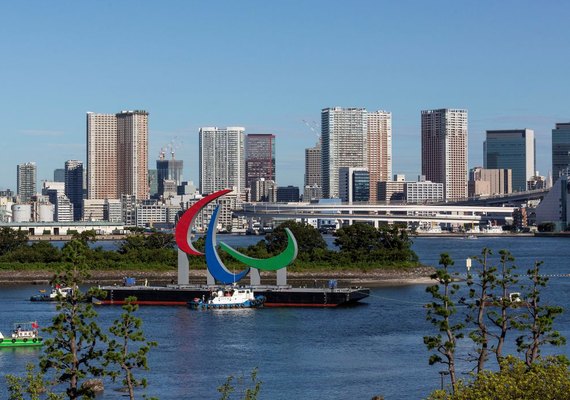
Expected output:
(344, 144)
(221, 159)
(444, 150)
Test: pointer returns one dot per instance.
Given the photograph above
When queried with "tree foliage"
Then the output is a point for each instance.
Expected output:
(128, 350)
(11, 239)
(545, 379)
(33, 385)
(539, 321)
(308, 238)
(366, 243)
(72, 353)
(240, 384)
(480, 291)
(494, 310)
(501, 314)
(440, 312)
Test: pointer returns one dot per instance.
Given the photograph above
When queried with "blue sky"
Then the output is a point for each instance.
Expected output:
(269, 65)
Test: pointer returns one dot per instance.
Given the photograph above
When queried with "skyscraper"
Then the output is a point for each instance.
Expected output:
(132, 153)
(511, 149)
(313, 165)
(259, 158)
(379, 149)
(444, 150)
(26, 180)
(117, 155)
(101, 156)
(170, 170)
(74, 186)
(344, 144)
(221, 159)
(560, 149)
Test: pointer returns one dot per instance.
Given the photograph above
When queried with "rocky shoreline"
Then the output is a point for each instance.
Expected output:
(373, 278)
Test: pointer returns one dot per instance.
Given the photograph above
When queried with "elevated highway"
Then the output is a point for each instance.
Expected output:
(407, 213)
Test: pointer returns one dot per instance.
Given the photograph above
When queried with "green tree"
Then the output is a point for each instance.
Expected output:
(160, 240)
(33, 385)
(128, 333)
(132, 242)
(308, 238)
(480, 291)
(73, 354)
(501, 315)
(540, 320)
(357, 237)
(248, 393)
(11, 239)
(363, 242)
(545, 379)
(86, 237)
(440, 312)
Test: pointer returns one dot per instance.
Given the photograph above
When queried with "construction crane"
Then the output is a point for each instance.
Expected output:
(314, 128)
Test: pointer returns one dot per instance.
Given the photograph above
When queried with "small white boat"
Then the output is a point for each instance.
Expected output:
(55, 293)
(229, 298)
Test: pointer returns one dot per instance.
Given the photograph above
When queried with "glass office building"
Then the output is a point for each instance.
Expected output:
(560, 149)
(511, 149)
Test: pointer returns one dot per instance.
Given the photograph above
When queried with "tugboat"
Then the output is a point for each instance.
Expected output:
(232, 298)
(24, 334)
(53, 295)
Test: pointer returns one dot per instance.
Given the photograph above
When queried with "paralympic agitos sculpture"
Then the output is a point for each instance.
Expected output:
(213, 262)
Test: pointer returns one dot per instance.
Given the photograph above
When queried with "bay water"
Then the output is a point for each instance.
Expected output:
(375, 348)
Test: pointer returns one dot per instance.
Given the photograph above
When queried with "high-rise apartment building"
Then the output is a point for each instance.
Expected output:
(101, 156)
(132, 153)
(512, 149)
(344, 144)
(221, 159)
(169, 170)
(313, 165)
(117, 155)
(560, 149)
(26, 180)
(74, 186)
(259, 158)
(444, 150)
(379, 149)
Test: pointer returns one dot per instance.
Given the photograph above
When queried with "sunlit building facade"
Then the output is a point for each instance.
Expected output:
(444, 150)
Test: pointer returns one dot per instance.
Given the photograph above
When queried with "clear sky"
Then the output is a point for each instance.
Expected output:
(269, 65)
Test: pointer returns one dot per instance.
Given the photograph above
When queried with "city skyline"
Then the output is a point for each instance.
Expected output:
(280, 77)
